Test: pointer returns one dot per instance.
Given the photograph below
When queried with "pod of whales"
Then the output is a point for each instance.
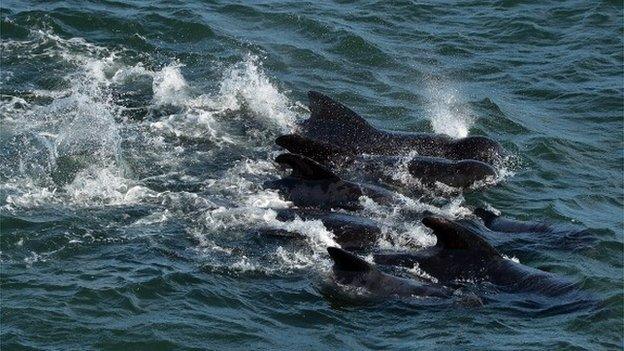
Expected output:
(335, 143)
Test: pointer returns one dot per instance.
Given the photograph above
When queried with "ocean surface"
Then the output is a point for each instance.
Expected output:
(136, 137)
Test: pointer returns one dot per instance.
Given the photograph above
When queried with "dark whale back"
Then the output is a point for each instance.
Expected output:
(349, 269)
(317, 150)
(461, 254)
(350, 231)
(452, 236)
(459, 174)
(537, 234)
(348, 262)
(311, 184)
(500, 224)
(304, 168)
(458, 254)
(335, 124)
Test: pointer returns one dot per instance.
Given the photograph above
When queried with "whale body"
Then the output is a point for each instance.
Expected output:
(312, 185)
(350, 232)
(339, 130)
(501, 224)
(428, 170)
(536, 234)
(349, 269)
(462, 255)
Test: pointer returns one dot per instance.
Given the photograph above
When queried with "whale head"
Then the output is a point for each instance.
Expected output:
(477, 148)
(453, 236)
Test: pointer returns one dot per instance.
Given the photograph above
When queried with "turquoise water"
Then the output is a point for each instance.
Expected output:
(136, 137)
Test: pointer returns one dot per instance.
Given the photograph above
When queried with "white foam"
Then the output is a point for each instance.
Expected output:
(138, 194)
(80, 125)
(513, 258)
(11, 106)
(29, 195)
(242, 183)
(153, 218)
(34, 258)
(399, 230)
(169, 86)
(244, 90)
(246, 85)
(293, 259)
(124, 74)
(416, 271)
(407, 236)
(314, 230)
(97, 186)
(244, 265)
(493, 209)
(192, 124)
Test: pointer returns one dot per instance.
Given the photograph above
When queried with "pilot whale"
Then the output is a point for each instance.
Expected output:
(350, 232)
(313, 185)
(332, 123)
(460, 254)
(352, 270)
(501, 224)
(536, 234)
(428, 170)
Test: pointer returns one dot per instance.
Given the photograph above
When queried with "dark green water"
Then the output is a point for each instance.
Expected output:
(136, 137)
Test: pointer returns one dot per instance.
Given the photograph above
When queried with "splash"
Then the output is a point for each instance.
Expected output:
(419, 273)
(445, 113)
(71, 145)
(74, 145)
(314, 230)
(98, 186)
(169, 86)
(246, 85)
(400, 222)
(244, 92)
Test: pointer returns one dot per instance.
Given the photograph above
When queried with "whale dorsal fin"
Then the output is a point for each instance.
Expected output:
(305, 168)
(346, 261)
(486, 216)
(453, 236)
(324, 110)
